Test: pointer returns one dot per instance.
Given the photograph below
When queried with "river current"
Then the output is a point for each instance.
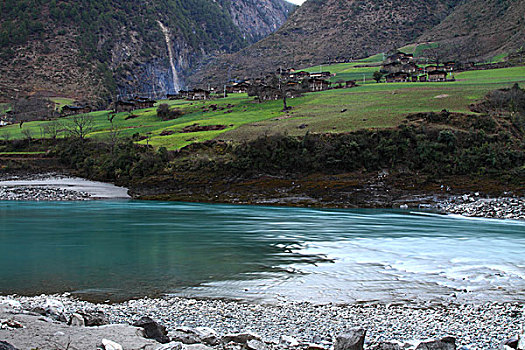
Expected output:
(114, 250)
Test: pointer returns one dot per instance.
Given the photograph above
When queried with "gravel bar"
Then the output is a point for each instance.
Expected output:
(475, 326)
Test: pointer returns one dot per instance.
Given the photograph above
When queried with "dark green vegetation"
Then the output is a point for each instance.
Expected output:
(89, 48)
(93, 18)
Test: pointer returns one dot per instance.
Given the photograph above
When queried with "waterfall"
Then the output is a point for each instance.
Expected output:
(176, 84)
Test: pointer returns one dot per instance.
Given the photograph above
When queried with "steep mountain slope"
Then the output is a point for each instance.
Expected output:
(327, 30)
(479, 28)
(91, 49)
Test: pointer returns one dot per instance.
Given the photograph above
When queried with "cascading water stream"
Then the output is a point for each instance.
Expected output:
(165, 30)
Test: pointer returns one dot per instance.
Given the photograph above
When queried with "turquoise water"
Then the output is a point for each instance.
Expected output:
(126, 249)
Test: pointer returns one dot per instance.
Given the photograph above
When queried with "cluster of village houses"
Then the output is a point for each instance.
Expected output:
(400, 68)
(397, 68)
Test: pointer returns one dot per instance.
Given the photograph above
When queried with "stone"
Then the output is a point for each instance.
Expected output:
(313, 346)
(6, 346)
(241, 338)
(76, 320)
(288, 341)
(111, 345)
(446, 343)
(53, 307)
(511, 343)
(153, 330)
(96, 318)
(521, 340)
(10, 304)
(10, 324)
(388, 346)
(196, 347)
(353, 340)
(255, 344)
(174, 345)
(39, 310)
(185, 335)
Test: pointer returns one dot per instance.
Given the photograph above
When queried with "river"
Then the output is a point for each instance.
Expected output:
(114, 250)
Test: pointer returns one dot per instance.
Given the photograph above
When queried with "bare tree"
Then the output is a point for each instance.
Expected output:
(81, 125)
(27, 134)
(53, 129)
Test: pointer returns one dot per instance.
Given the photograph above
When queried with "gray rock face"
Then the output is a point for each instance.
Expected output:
(353, 340)
(153, 330)
(446, 343)
(6, 346)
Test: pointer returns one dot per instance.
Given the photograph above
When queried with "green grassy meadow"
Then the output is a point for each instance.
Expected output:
(369, 105)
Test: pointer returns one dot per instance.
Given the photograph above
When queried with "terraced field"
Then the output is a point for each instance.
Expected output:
(238, 117)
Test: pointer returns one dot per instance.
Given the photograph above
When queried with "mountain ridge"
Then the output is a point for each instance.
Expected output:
(92, 50)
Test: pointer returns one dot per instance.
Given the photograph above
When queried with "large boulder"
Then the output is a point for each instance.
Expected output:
(388, 346)
(111, 345)
(446, 343)
(153, 330)
(240, 338)
(6, 346)
(55, 309)
(352, 340)
(76, 320)
(197, 335)
(94, 318)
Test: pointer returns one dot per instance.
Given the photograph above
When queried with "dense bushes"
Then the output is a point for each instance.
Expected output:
(440, 152)
(123, 162)
(164, 112)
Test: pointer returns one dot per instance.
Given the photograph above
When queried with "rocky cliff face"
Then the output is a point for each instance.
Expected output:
(259, 18)
(100, 50)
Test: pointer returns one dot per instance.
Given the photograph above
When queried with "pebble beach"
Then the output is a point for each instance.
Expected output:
(474, 326)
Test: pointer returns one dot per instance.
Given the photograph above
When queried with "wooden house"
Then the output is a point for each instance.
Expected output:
(431, 68)
(198, 94)
(238, 88)
(437, 75)
(71, 110)
(141, 102)
(399, 57)
(449, 66)
(320, 75)
(299, 75)
(399, 77)
(315, 84)
(125, 106)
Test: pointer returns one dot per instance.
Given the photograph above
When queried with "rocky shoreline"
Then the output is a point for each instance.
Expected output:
(59, 187)
(56, 187)
(472, 205)
(222, 324)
